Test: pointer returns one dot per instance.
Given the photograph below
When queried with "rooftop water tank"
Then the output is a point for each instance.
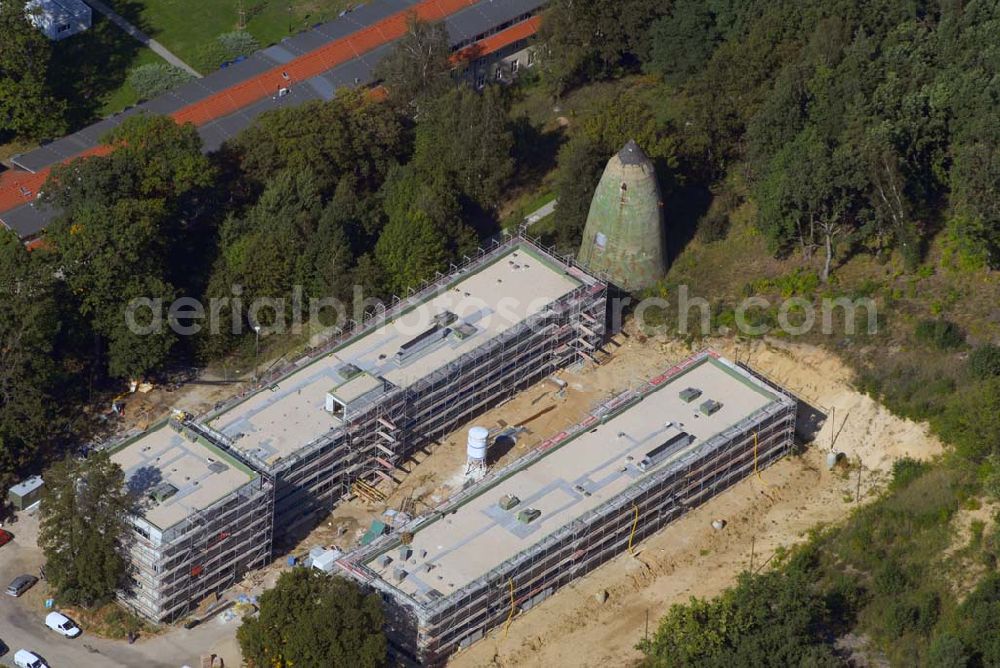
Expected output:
(477, 443)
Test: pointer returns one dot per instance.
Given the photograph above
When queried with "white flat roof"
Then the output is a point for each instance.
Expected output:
(201, 473)
(570, 480)
(276, 422)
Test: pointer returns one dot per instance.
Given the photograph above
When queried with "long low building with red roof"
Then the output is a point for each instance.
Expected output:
(310, 65)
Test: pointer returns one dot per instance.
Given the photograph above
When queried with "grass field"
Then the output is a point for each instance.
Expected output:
(188, 27)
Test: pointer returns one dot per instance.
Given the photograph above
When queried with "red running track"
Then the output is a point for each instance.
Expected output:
(19, 187)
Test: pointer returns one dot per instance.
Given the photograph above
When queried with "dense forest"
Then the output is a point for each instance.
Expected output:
(854, 138)
(850, 131)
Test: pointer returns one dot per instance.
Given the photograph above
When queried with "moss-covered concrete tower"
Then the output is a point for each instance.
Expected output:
(624, 236)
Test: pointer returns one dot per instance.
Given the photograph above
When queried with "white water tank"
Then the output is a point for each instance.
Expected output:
(476, 449)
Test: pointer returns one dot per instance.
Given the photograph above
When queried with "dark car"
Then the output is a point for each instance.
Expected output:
(21, 584)
(5, 537)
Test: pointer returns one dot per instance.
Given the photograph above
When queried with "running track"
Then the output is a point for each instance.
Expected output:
(18, 188)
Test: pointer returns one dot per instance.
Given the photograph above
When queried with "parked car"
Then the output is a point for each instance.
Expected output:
(5, 537)
(25, 659)
(3, 648)
(21, 584)
(62, 624)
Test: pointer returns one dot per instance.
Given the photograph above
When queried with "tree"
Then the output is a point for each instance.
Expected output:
(584, 40)
(312, 619)
(580, 163)
(464, 141)
(27, 105)
(348, 135)
(84, 529)
(122, 215)
(29, 376)
(410, 250)
(772, 619)
(808, 198)
(682, 41)
(419, 67)
(287, 246)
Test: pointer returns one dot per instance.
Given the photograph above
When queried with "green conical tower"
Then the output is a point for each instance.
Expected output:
(624, 233)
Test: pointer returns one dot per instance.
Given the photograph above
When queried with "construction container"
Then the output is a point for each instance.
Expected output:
(26, 493)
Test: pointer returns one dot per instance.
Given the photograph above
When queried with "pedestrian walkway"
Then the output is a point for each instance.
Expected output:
(157, 48)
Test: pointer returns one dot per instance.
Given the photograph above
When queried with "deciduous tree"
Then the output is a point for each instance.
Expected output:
(84, 529)
(312, 619)
(27, 105)
(418, 67)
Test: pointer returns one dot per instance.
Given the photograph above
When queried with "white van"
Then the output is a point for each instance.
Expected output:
(25, 659)
(62, 624)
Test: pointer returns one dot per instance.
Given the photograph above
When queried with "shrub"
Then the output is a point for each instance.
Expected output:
(225, 48)
(971, 420)
(940, 333)
(906, 470)
(984, 362)
(713, 226)
(946, 651)
(154, 78)
(236, 44)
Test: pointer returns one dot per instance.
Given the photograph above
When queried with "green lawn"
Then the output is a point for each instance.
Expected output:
(188, 27)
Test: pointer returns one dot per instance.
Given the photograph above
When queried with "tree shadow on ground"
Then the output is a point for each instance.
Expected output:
(90, 67)
(684, 206)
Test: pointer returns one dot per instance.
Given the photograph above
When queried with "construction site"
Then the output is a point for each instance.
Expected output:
(638, 461)
(331, 424)
(204, 520)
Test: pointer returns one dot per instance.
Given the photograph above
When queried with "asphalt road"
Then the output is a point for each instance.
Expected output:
(22, 623)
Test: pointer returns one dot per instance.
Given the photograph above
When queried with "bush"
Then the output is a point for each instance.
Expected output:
(941, 334)
(236, 44)
(225, 48)
(946, 651)
(906, 470)
(984, 362)
(713, 226)
(971, 420)
(154, 78)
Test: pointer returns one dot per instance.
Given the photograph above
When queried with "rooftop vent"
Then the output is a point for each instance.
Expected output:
(508, 501)
(349, 371)
(422, 341)
(217, 467)
(690, 394)
(528, 515)
(660, 452)
(162, 492)
(710, 407)
(464, 331)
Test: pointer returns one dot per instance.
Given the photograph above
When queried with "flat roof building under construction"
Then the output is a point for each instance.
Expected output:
(203, 519)
(185, 476)
(478, 306)
(583, 496)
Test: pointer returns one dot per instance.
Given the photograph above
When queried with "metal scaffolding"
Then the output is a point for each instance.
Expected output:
(429, 631)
